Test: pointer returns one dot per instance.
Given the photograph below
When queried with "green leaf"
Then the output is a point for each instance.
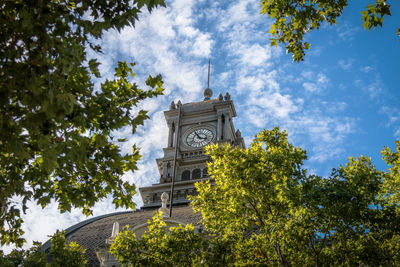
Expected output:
(100, 140)
(94, 67)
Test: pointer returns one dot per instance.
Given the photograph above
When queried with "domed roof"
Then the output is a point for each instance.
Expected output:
(93, 233)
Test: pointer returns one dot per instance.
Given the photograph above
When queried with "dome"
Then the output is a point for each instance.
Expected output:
(92, 234)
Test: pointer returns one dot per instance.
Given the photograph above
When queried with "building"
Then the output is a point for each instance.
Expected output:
(191, 126)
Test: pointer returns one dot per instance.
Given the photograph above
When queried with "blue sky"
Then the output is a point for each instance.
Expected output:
(342, 101)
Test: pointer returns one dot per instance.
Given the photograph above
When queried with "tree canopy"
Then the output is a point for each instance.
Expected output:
(262, 207)
(175, 246)
(55, 125)
(60, 254)
(292, 20)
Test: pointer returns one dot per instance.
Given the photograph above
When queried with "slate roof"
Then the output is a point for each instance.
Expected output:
(92, 233)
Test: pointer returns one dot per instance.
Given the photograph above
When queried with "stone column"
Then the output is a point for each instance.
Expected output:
(219, 127)
(226, 126)
(171, 131)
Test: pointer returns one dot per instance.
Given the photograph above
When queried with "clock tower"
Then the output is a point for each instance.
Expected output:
(191, 126)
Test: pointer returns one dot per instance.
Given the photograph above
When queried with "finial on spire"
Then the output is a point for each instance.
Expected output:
(172, 105)
(227, 96)
(208, 92)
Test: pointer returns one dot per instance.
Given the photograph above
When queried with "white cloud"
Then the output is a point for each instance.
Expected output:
(322, 79)
(255, 55)
(397, 134)
(311, 87)
(393, 119)
(238, 13)
(255, 82)
(346, 32)
(346, 64)
(336, 107)
(166, 42)
(374, 89)
(275, 104)
(367, 69)
(326, 133)
(309, 75)
(371, 85)
(315, 82)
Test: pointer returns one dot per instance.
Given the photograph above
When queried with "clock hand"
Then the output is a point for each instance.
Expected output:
(202, 138)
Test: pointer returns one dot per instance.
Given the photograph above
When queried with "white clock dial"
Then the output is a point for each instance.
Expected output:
(199, 137)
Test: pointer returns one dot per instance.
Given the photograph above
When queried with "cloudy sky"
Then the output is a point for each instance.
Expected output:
(342, 101)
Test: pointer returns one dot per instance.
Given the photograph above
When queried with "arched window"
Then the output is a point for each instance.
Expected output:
(196, 174)
(205, 172)
(185, 175)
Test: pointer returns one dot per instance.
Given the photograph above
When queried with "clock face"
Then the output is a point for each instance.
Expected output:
(199, 137)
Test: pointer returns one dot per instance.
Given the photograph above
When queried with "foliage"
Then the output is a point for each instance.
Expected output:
(257, 194)
(261, 207)
(294, 19)
(174, 246)
(11, 260)
(280, 215)
(347, 218)
(60, 254)
(391, 181)
(55, 125)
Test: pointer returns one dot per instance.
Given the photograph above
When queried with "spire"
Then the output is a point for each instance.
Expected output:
(208, 92)
(208, 80)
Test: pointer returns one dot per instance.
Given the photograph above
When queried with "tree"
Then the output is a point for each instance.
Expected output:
(257, 194)
(263, 208)
(294, 19)
(60, 254)
(175, 246)
(292, 218)
(391, 181)
(55, 126)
